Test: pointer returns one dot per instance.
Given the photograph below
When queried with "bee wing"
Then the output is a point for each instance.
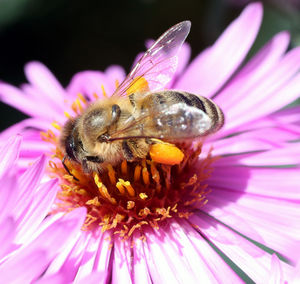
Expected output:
(158, 64)
(176, 122)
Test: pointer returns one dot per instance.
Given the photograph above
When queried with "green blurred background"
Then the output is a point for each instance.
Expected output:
(70, 36)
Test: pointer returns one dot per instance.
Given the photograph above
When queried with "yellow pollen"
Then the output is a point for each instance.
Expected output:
(96, 96)
(103, 92)
(56, 125)
(130, 204)
(103, 190)
(117, 83)
(67, 115)
(82, 98)
(143, 196)
(128, 187)
(93, 201)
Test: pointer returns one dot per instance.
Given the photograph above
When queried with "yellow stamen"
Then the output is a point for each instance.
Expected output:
(117, 83)
(128, 187)
(56, 125)
(67, 115)
(103, 189)
(120, 187)
(155, 176)
(111, 174)
(103, 91)
(93, 201)
(145, 173)
(82, 98)
(137, 173)
(124, 167)
(143, 196)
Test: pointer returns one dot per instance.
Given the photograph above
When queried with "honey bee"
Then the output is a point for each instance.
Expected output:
(139, 113)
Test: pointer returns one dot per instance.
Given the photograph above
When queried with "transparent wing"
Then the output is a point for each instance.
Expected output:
(158, 64)
(176, 122)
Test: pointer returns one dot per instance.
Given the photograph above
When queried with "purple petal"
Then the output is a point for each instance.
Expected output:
(180, 256)
(122, 268)
(7, 235)
(212, 68)
(39, 208)
(250, 258)
(9, 153)
(42, 79)
(250, 76)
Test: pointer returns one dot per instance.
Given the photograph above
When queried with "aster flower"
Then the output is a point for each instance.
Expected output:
(25, 203)
(219, 216)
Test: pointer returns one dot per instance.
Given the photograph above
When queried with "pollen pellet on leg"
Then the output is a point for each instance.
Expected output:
(167, 154)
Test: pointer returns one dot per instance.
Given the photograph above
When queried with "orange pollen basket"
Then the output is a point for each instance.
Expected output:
(131, 195)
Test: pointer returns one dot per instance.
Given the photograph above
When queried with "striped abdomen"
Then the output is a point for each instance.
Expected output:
(179, 115)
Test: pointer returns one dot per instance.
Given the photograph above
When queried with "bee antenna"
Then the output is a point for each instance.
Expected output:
(130, 137)
(67, 169)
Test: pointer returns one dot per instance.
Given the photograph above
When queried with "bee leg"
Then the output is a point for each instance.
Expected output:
(127, 151)
(86, 163)
(94, 159)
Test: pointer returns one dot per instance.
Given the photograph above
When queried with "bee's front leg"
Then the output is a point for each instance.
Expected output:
(88, 161)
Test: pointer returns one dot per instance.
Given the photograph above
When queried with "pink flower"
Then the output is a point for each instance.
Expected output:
(253, 206)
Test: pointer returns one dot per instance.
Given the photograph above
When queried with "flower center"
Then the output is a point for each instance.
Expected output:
(131, 195)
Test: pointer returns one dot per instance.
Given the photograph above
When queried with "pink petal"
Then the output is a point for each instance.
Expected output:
(253, 261)
(44, 81)
(57, 279)
(90, 83)
(259, 66)
(115, 72)
(30, 262)
(273, 92)
(24, 268)
(212, 68)
(278, 157)
(122, 268)
(28, 183)
(276, 271)
(90, 259)
(7, 235)
(9, 153)
(93, 278)
(38, 210)
(259, 181)
(184, 256)
(275, 221)
(15, 98)
(140, 267)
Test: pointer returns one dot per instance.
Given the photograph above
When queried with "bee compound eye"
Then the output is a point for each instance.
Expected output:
(70, 148)
(103, 137)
